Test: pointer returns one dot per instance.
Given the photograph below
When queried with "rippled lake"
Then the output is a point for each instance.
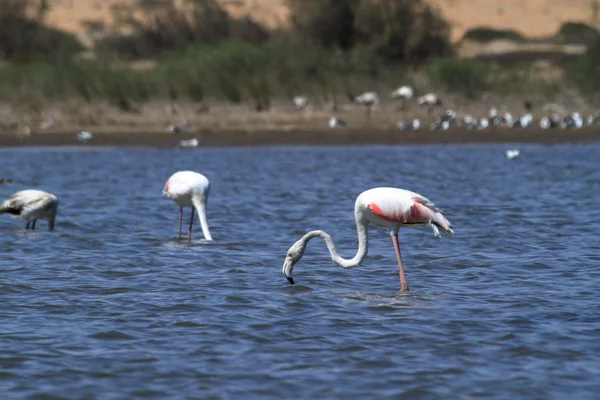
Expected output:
(112, 306)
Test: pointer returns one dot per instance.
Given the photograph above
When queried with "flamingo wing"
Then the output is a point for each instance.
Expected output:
(403, 207)
(436, 219)
(38, 204)
(26, 202)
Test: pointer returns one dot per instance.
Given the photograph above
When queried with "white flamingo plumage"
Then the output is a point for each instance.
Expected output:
(385, 206)
(32, 205)
(403, 92)
(190, 189)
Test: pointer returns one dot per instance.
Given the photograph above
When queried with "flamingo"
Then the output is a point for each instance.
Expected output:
(32, 205)
(403, 92)
(383, 206)
(430, 100)
(369, 100)
(189, 189)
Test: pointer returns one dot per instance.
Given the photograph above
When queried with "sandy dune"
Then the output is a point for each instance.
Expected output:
(533, 18)
(530, 17)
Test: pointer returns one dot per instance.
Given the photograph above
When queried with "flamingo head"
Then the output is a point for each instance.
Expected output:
(294, 254)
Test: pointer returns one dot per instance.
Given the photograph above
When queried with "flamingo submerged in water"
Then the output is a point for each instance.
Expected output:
(384, 206)
(32, 205)
(189, 189)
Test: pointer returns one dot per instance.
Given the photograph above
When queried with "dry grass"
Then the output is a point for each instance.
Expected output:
(472, 49)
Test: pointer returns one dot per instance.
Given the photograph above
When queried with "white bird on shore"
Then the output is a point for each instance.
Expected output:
(336, 123)
(413, 125)
(429, 99)
(554, 121)
(469, 121)
(190, 143)
(367, 99)
(507, 120)
(174, 129)
(513, 153)
(577, 119)
(546, 123)
(403, 92)
(483, 123)
(84, 136)
(389, 207)
(526, 120)
(190, 189)
(300, 102)
(32, 205)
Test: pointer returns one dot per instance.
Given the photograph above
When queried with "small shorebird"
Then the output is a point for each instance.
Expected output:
(190, 189)
(300, 102)
(336, 123)
(84, 136)
(177, 129)
(32, 205)
(190, 143)
(512, 153)
(413, 125)
(389, 207)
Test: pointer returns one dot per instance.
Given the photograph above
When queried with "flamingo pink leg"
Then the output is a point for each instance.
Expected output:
(27, 226)
(33, 225)
(191, 222)
(180, 220)
(403, 282)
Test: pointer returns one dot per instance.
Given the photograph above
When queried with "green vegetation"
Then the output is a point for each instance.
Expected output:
(576, 32)
(468, 77)
(232, 71)
(585, 73)
(485, 35)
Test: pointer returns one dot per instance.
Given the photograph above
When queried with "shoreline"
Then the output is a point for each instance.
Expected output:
(314, 137)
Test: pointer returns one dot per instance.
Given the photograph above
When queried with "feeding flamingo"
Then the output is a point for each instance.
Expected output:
(190, 189)
(383, 206)
(32, 205)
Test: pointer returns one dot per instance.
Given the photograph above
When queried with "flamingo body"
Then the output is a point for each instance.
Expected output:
(389, 207)
(190, 189)
(393, 208)
(32, 205)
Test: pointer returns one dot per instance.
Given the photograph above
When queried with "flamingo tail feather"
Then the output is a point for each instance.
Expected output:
(439, 222)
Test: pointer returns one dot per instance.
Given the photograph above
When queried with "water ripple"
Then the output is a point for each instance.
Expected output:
(112, 305)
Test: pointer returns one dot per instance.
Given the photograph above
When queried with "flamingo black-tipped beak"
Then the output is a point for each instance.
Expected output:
(290, 279)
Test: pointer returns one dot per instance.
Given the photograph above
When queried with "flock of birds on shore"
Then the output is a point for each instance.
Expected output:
(370, 101)
(391, 208)
(449, 118)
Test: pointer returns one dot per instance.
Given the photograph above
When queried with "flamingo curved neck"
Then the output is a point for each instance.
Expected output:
(200, 206)
(361, 254)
